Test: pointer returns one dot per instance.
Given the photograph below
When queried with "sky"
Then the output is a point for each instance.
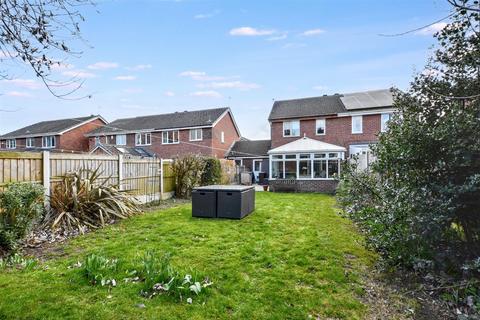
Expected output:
(153, 57)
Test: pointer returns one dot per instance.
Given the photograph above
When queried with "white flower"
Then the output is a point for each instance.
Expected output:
(189, 300)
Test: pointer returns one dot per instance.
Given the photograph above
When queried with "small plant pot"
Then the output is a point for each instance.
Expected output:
(265, 188)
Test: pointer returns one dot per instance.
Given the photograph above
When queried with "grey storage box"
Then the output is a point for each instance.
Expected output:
(232, 201)
(204, 203)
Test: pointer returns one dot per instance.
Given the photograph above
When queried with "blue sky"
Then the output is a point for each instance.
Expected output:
(150, 57)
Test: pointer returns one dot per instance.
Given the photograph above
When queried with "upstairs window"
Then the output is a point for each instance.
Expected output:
(357, 124)
(291, 128)
(143, 139)
(222, 137)
(196, 135)
(48, 142)
(170, 137)
(30, 142)
(11, 144)
(384, 121)
(320, 127)
(121, 140)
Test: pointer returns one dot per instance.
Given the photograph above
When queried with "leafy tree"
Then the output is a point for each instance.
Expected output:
(33, 32)
(421, 199)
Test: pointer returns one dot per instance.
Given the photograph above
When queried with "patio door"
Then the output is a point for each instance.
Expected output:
(257, 168)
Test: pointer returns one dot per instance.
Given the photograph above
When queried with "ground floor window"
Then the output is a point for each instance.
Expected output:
(306, 166)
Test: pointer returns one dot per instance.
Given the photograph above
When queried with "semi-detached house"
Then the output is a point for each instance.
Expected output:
(209, 132)
(310, 136)
(65, 135)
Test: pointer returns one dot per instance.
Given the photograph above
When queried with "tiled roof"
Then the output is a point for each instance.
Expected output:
(51, 127)
(183, 119)
(250, 148)
(330, 104)
(306, 145)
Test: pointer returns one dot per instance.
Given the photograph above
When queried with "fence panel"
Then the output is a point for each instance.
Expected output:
(142, 176)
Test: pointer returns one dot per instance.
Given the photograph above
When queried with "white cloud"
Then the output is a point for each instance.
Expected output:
(200, 76)
(103, 65)
(276, 38)
(79, 74)
(19, 94)
(313, 32)
(140, 67)
(207, 15)
(207, 94)
(249, 32)
(169, 93)
(434, 28)
(24, 83)
(230, 85)
(125, 78)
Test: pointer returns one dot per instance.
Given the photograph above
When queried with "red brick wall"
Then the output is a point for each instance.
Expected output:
(230, 133)
(211, 138)
(338, 131)
(75, 139)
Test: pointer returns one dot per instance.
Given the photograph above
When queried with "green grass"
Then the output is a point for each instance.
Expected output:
(293, 257)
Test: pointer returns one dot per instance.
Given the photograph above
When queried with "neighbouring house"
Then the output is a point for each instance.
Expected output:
(66, 135)
(310, 136)
(252, 156)
(209, 132)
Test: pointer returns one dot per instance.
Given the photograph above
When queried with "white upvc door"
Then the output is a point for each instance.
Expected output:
(257, 168)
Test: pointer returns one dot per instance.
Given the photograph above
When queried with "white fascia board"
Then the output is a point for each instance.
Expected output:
(228, 111)
(82, 123)
(367, 112)
(103, 134)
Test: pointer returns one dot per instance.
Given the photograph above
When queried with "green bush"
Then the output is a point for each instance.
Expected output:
(212, 171)
(21, 204)
(188, 172)
(82, 200)
(100, 270)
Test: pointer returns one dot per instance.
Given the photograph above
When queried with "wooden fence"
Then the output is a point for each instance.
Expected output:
(148, 178)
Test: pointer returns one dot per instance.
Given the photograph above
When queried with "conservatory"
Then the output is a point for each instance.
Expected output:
(305, 165)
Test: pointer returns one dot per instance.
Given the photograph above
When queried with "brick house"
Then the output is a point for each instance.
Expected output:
(310, 136)
(209, 132)
(64, 135)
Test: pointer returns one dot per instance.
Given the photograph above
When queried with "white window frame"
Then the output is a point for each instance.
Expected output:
(195, 134)
(11, 144)
(174, 134)
(30, 142)
(121, 143)
(142, 140)
(49, 142)
(222, 137)
(317, 122)
(339, 156)
(361, 124)
(288, 125)
(384, 119)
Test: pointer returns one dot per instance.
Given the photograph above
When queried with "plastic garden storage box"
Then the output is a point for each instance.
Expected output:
(204, 203)
(231, 201)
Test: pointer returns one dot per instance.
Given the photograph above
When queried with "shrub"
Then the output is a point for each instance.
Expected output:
(212, 171)
(188, 173)
(20, 205)
(81, 200)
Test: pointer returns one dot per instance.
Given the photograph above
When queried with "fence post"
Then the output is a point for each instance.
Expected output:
(161, 178)
(46, 177)
(120, 171)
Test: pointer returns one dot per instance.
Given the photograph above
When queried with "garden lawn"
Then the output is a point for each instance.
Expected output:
(294, 257)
